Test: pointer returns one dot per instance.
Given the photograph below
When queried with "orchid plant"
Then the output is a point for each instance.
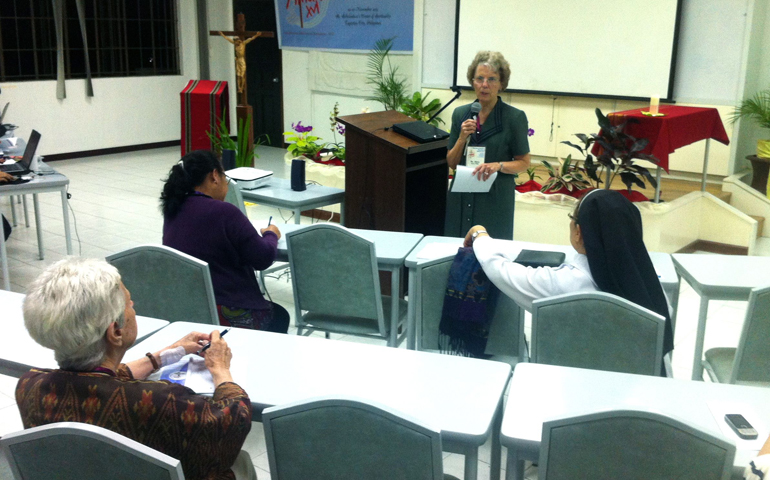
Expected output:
(301, 143)
(337, 149)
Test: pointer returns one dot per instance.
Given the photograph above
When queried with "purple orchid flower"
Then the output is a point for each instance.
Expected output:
(530, 132)
(341, 129)
(301, 129)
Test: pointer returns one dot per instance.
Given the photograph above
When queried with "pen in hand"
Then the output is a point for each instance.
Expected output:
(224, 332)
(270, 220)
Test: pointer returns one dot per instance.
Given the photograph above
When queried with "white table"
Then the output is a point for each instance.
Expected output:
(661, 261)
(391, 248)
(40, 184)
(280, 195)
(460, 396)
(546, 392)
(20, 352)
(719, 277)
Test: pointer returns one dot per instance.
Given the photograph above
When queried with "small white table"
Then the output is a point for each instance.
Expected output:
(392, 249)
(543, 392)
(280, 195)
(661, 261)
(459, 396)
(20, 352)
(719, 277)
(39, 184)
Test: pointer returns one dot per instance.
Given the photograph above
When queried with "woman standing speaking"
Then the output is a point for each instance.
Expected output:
(496, 139)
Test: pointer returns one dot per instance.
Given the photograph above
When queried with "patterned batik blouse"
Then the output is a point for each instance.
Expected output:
(204, 433)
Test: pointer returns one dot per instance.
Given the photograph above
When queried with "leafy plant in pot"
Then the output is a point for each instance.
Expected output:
(569, 179)
(756, 108)
(221, 140)
(615, 155)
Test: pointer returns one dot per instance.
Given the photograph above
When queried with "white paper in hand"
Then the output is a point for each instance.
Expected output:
(466, 182)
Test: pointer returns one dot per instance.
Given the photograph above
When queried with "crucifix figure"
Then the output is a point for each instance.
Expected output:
(240, 38)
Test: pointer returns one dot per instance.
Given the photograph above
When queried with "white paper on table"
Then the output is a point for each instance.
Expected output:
(438, 250)
(720, 409)
(466, 182)
(189, 371)
(8, 161)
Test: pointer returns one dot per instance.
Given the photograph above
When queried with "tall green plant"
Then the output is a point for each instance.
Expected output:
(221, 140)
(756, 108)
(389, 90)
(416, 108)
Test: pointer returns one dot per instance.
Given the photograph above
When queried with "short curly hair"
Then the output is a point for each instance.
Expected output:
(494, 60)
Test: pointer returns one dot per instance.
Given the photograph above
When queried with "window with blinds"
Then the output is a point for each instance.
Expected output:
(125, 38)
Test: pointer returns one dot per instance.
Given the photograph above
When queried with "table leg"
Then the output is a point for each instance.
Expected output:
(38, 227)
(675, 304)
(26, 213)
(705, 165)
(657, 186)
(697, 366)
(4, 259)
(395, 287)
(471, 463)
(66, 217)
(13, 211)
(514, 467)
(297, 214)
(494, 459)
(342, 213)
(411, 312)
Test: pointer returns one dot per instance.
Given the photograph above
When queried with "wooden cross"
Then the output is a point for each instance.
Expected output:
(240, 38)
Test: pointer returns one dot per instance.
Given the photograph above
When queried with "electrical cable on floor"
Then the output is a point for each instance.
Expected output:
(75, 222)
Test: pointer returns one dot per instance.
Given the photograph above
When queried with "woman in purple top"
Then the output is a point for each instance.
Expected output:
(198, 222)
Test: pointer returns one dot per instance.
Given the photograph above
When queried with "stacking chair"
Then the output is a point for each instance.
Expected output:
(506, 336)
(336, 282)
(167, 284)
(631, 445)
(343, 438)
(749, 364)
(79, 451)
(597, 330)
(235, 196)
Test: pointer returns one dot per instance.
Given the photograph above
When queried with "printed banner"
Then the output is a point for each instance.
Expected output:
(344, 24)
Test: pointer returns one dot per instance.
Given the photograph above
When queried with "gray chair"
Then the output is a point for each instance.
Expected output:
(597, 330)
(632, 445)
(167, 284)
(749, 364)
(235, 197)
(336, 282)
(70, 451)
(344, 438)
(506, 335)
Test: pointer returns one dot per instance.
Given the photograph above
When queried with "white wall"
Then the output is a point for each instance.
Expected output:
(123, 111)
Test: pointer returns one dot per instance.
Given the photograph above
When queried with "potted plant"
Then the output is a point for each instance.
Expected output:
(221, 140)
(416, 108)
(389, 90)
(615, 154)
(569, 179)
(530, 185)
(757, 108)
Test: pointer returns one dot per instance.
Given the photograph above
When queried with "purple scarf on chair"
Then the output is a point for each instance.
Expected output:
(469, 305)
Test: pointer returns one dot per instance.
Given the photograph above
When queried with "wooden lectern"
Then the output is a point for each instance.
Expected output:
(392, 182)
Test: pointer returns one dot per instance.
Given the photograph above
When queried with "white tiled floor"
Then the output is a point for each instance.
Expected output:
(115, 204)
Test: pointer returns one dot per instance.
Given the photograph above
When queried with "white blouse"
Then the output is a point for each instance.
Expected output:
(526, 284)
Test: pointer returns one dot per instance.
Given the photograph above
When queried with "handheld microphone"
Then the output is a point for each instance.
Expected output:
(475, 110)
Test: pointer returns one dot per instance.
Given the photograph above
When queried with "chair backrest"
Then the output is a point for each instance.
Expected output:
(597, 330)
(334, 272)
(631, 445)
(69, 451)
(167, 284)
(506, 335)
(752, 358)
(333, 438)
(235, 196)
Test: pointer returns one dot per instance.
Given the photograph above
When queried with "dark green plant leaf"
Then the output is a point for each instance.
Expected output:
(565, 142)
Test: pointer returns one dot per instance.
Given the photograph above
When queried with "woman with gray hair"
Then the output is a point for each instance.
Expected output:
(81, 310)
(491, 137)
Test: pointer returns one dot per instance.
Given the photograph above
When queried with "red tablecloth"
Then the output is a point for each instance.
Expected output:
(681, 126)
(203, 105)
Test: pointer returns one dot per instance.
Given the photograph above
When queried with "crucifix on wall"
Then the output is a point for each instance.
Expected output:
(240, 38)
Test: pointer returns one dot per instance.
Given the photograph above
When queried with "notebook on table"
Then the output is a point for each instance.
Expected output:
(22, 166)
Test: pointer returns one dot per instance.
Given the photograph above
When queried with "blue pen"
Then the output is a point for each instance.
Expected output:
(270, 220)
(224, 332)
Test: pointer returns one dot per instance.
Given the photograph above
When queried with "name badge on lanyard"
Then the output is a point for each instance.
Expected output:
(474, 156)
